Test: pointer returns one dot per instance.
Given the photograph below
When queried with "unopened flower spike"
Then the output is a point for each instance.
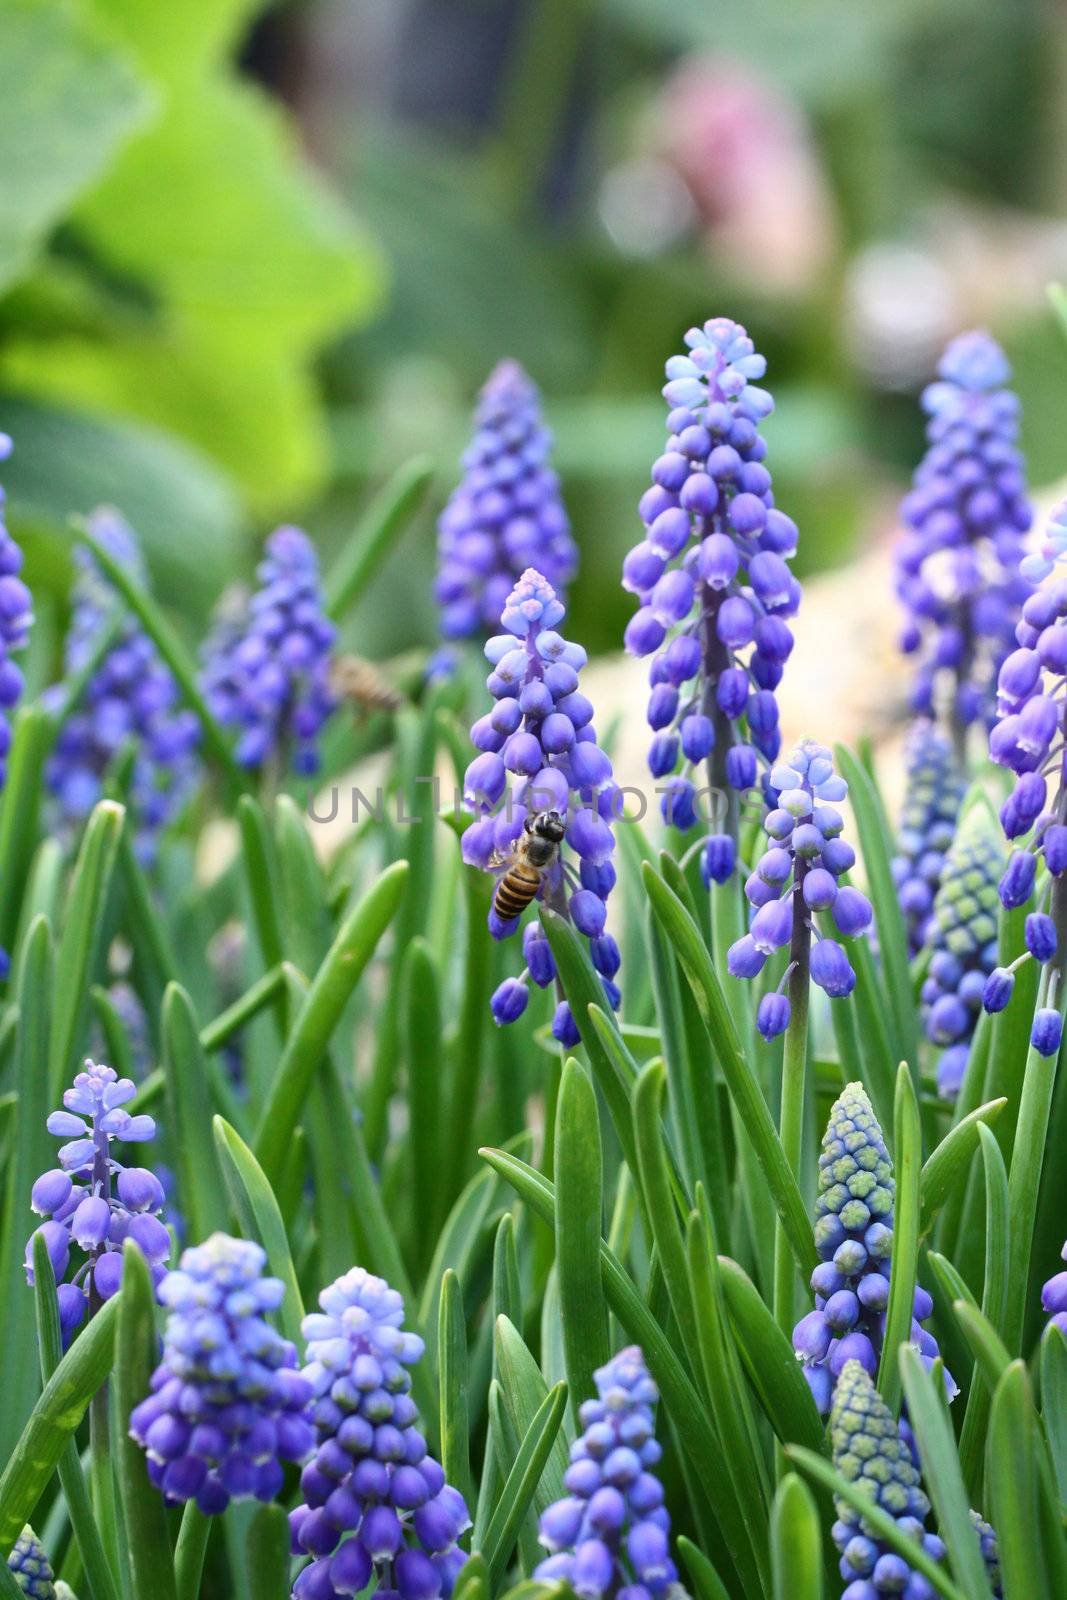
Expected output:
(544, 797)
(227, 1405)
(609, 1537)
(962, 941)
(933, 793)
(506, 514)
(714, 586)
(266, 670)
(796, 878)
(30, 1566)
(957, 564)
(130, 700)
(92, 1202)
(376, 1504)
(869, 1452)
(854, 1241)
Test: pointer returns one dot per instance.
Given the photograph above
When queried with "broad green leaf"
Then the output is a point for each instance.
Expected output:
(579, 1207)
(770, 1362)
(33, 1153)
(257, 1209)
(322, 1010)
(524, 1391)
(928, 1416)
(907, 1163)
(796, 1542)
(740, 1078)
(136, 1353)
(382, 524)
(453, 1379)
(521, 1482)
(68, 100)
(80, 939)
(882, 1525)
(54, 1420)
(951, 1161)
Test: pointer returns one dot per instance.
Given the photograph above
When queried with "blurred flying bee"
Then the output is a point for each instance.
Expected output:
(536, 848)
(359, 682)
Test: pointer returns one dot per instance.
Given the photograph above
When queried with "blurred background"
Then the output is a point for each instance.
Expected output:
(250, 260)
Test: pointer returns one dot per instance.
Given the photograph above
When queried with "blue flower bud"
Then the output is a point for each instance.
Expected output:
(772, 1018)
(1017, 884)
(1054, 843)
(718, 859)
(509, 1001)
(1046, 1031)
(1040, 936)
(831, 969)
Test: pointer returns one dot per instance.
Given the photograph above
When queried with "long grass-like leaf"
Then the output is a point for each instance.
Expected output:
(524, 1390)
(267, 1553)
(80, 939)
(19, 809)
(579, 1222)
(796, 1542)
(453, 1379)
(770, 1362)
(145, 1516)
(189, 1099)
(907, 1155)
(254, 1201)
(949, 1164)
(379, 528)
(521, 1482)
(1011, 1473)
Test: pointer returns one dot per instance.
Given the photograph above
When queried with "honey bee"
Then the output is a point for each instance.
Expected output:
(362, 685)
(535, 850)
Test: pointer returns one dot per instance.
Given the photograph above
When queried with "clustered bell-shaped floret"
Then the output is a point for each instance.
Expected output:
(540, 754)
(266, 672)
(93, 1202)
(16, 618)
(376, 1504)
(963, 947)
(869, 1452)
(609, 1538)
(507, 512)
(131, 699)
(227, 1405)
(30, 1567)
(854, 1241)
(957, 564)
(713, 582)
(797, 876)
(1054, 1297)
(933, 793)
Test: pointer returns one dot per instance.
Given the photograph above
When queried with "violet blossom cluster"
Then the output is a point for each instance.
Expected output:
(713, 581)
(376, 1504)
(227, 1405)
(963, 946)
(933, 793)
(609, 1537)
(506, 514)
(131, 699)
(797, 877)
(957, 564)
(869, 1452)
(540, 754)
(16, 617)
(1054, 1297)
(266, 671)
(93, 1203)
(854, 1241)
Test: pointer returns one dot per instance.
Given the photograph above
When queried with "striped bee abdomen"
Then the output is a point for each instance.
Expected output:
(515, 890)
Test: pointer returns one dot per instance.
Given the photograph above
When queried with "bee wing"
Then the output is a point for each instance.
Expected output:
(500, 858)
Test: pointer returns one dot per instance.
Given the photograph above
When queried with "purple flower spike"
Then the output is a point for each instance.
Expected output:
(131, 699)
(227, 1404)
(957, 563)
(93, 1201)
(1054, 1297)
(546, 802)
(609, 1536)
(717, 618)
(16, 619)
(507, 514)
(376, 1503)
(266, 666)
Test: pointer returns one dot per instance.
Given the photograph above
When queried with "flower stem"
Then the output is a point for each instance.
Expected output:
(794, 1075)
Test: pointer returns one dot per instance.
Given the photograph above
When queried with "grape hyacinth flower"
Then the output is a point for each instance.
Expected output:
(227, 1405)
(987, 1540)
(1054, 1297)
(92, 1201)
(957, 564)
(610, 1535)
(30, 1566)
(854, 1241)
(869, 1452)
(376, 1504)
(130, 698)
(266, 671)
(507, 513)
(16, 618)
(540, 735)
(932, 797)
(715, 589)
(963, 947)
(795, 878)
